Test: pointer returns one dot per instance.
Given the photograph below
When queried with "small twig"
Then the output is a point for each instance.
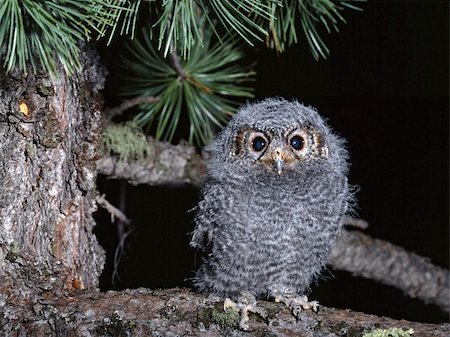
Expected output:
(175, 61)
(114, 211)
(129, 103)
(122, 234)
(118, 255)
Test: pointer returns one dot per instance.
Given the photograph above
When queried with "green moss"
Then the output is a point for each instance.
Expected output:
(223, 318)
(216, 315)
(126, 141)
(392, 332)
(228, 318)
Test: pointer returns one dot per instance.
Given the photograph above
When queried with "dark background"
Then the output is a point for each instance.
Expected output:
(385, 89)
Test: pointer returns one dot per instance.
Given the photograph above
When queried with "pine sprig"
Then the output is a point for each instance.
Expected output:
(178, 28)
(242, 16)
(121, 15)
(204, 86)
(307, 16)
(39, 32)
(279, 22)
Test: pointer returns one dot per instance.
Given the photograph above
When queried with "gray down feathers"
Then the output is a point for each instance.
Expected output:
(261, 232)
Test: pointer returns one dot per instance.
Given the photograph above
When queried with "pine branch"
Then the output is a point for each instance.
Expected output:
(292, 17)
(204, 87)
(122, 15)
(43, 34)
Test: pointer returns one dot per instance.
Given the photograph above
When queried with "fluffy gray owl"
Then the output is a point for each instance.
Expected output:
(272, 205)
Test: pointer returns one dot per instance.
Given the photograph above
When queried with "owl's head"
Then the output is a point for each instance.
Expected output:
(276, 137)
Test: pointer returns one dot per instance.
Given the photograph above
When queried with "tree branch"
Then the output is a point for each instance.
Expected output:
(165, 164)
(127, 104)
(180, 312)
(354, 252)
(392, 265)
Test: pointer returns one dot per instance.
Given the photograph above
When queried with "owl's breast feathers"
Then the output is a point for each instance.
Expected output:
(263, 236)
(299, 207)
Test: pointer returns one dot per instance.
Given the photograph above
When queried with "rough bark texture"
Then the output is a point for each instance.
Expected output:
(392, 265)
(354, 252)
(179, 312)
(49, 134)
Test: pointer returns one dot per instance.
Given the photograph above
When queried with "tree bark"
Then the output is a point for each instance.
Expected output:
(49, 136)
(180, 312)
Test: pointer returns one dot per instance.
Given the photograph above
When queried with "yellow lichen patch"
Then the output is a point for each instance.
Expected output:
(23, 107)
(392, 332)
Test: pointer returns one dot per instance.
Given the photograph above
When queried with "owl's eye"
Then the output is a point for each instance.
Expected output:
(297, 142)
(258, 144)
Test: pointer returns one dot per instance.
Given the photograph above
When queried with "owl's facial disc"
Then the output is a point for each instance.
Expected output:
(285, 153)
(279, 151)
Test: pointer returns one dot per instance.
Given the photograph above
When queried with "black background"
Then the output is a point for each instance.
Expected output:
(385, 89)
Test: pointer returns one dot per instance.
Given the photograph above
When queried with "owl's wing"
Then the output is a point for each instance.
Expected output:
(330, 198)
(345, 194)
(208, 215)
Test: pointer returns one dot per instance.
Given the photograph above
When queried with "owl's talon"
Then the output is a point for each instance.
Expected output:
(315, 307)
(229, 304)
(298, 303)
(243, 307)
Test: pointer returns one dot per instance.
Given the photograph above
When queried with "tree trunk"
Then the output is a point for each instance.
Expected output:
(49, 134)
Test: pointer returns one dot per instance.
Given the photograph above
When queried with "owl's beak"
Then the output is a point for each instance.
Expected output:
(279, 165)
(278, 160)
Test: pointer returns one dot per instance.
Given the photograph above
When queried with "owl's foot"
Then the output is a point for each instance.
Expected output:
(246, 303)
(297, 303)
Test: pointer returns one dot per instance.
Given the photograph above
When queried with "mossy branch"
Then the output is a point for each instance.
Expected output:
(177, 312)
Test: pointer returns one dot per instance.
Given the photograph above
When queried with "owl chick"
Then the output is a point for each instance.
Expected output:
(272, 206)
